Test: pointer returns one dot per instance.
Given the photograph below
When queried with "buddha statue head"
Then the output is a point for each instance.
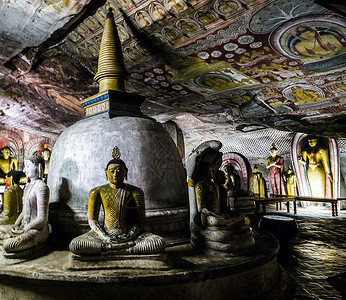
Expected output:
(228, 168)
(312, 141)
(116, 170)
(207, 171)
(273, 151)
(33, 167)
(289, 170)
(6, 152)
(46, 153)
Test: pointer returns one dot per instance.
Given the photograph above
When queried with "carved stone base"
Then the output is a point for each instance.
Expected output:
(193, 275)
(233, 241)
(148, 261)
(18, 257)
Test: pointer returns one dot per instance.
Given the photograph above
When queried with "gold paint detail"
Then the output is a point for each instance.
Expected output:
(111, 73)
(191, 183)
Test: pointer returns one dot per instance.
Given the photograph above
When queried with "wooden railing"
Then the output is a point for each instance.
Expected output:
(287, 199)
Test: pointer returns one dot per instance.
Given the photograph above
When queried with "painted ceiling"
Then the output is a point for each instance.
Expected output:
(214, 67)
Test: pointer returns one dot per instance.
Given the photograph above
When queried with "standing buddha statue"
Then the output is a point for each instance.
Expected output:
(315, 158)
(275, 164)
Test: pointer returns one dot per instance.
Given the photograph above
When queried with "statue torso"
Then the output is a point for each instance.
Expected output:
(121, 207)
(35, 194)
(315, 156)
(13, 201)
(209, 196)
(5, 165)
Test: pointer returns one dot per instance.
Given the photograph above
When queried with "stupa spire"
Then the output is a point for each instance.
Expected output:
(112, 100)
(111, 72)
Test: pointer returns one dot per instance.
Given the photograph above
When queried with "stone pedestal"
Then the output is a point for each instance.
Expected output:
(148, 261)
(192, 275)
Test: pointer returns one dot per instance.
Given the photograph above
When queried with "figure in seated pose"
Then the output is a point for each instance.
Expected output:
(124, 215)
(315, 158)
(213, 228)
(7, 163)
(12, 204)
(208, 201)
(31, 228)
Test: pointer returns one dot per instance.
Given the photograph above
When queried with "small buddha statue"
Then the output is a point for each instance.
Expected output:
(46, 157)
(124, 216)
(230, 185)
(12, 203)
(291, 182)
(31, 229)
(256, 183)
(7, 163)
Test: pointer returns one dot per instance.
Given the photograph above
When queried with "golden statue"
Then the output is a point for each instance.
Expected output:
(256, 183)
(46, 157)
(31, 228)
(291, 183)
(124, 212)
(315, 158)
(7, 163)
(313, 46)
(12, 203)
(230, 185)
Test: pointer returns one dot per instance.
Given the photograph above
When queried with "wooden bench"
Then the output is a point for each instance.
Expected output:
(264, 201)
(287, 199)
(333, 202)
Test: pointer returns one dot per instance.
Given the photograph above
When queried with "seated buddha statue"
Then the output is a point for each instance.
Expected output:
(31, 228)
(12, 203)
(7, 163)
(212, 227)
(124, 215)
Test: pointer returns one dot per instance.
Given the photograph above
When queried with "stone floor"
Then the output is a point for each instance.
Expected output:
(316, 253)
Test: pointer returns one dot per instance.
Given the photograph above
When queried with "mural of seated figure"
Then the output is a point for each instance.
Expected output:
(124, 215)
(31, 229)
(12, 203)
(213, 229)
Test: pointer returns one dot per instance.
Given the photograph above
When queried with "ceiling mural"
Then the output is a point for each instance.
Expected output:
(231, 66)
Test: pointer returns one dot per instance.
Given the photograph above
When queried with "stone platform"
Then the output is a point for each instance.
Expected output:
(192, 275)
